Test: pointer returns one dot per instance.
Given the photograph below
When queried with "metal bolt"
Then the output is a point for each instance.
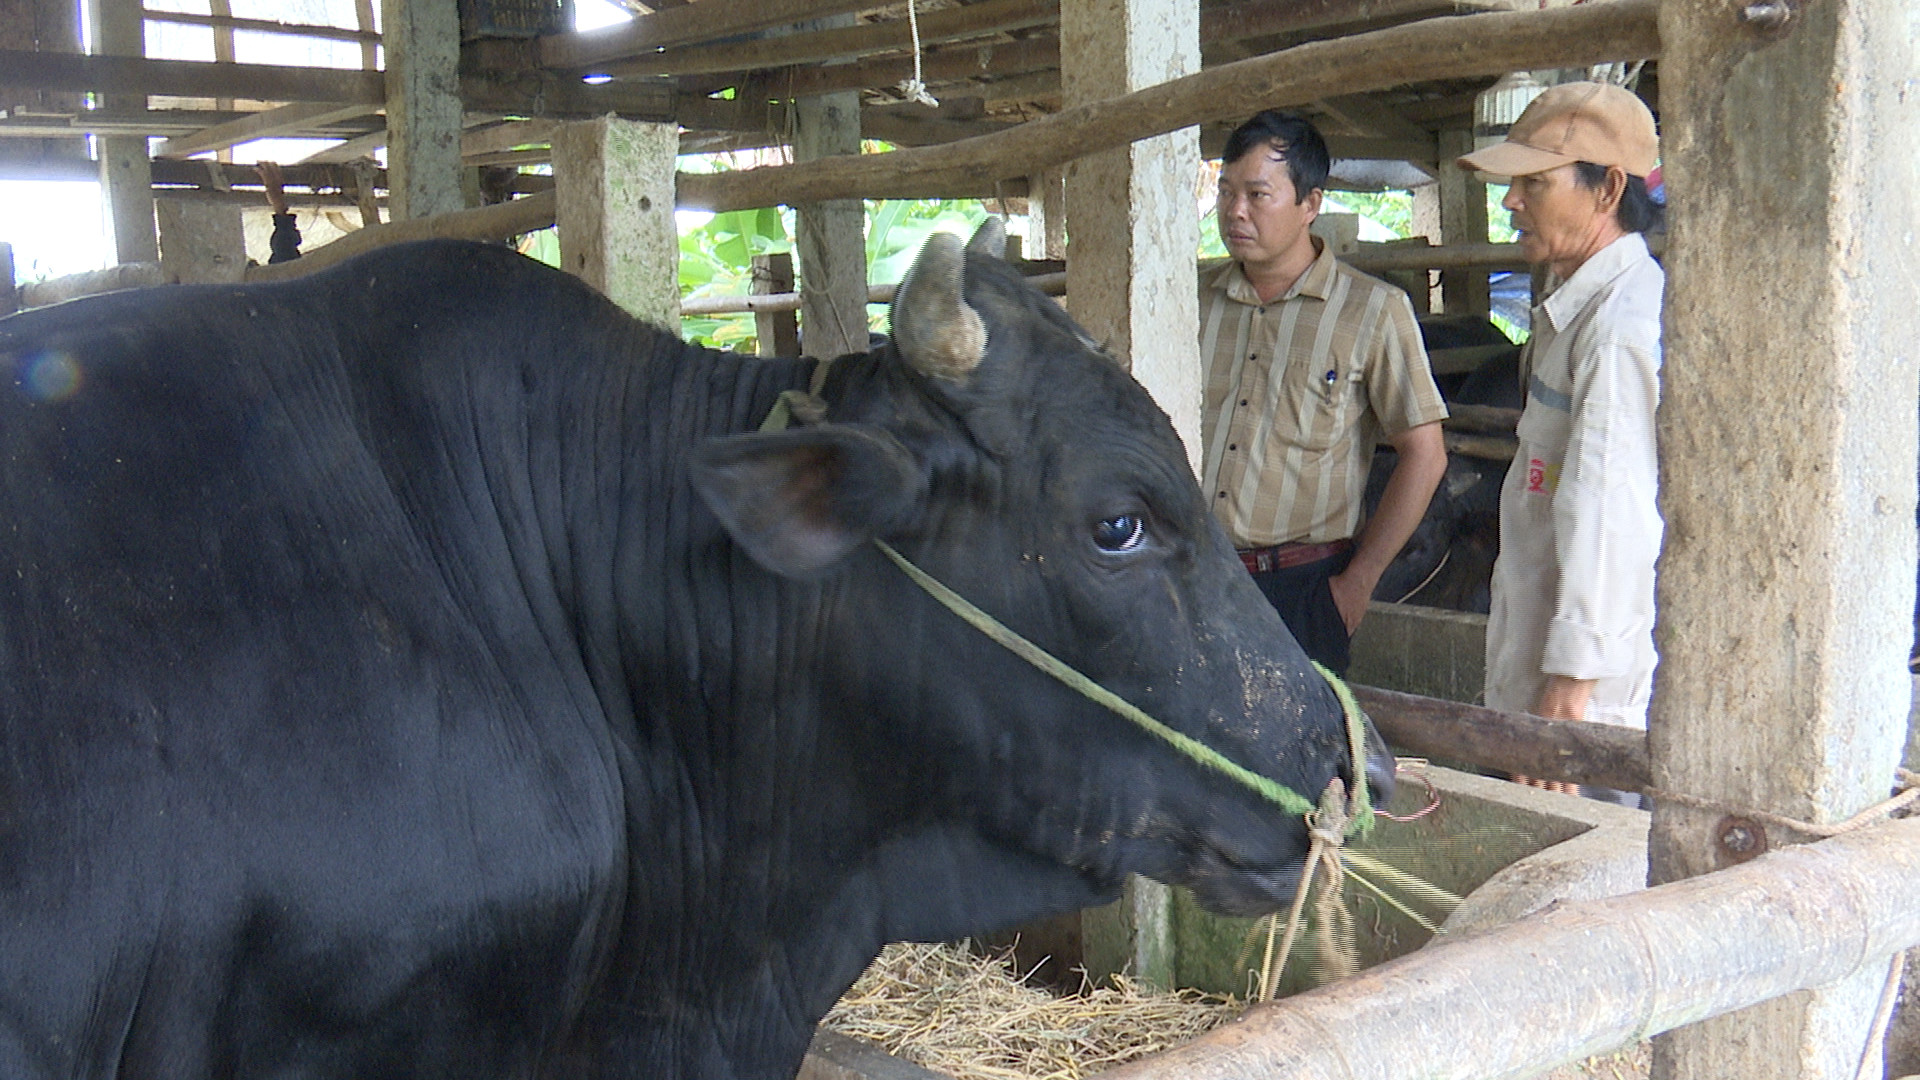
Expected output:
(1768, 14)
(1741, 838)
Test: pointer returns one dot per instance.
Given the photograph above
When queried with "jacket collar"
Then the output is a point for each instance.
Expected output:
(1573, 295)
(1317, 282)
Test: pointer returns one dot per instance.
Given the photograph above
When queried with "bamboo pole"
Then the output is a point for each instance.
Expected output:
(1453, 47)
(1584, 978)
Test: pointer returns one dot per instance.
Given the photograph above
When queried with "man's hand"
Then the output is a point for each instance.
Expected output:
(275, 182)
(1564, 698)
(1350, 594)
(1422, 461)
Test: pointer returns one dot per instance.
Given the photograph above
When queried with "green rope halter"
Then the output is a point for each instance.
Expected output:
(1361, 806)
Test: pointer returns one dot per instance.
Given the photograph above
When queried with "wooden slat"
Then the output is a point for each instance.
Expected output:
(188, 78)
(299, 116)
(1567, 750)
(264, 26)
(502, 138)
(1454, 47)
(687, 25)
(1264, 18)
(543, 96)
(949, 24)
(937, 65)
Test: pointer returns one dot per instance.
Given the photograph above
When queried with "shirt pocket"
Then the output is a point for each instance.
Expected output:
(1321, 401)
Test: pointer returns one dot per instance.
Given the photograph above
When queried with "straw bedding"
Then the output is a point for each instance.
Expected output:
(972, 1017)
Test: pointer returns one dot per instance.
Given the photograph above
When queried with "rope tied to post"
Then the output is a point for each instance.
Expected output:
(1906, 794)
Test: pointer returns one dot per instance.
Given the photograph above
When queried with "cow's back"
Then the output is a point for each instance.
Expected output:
(280, 677)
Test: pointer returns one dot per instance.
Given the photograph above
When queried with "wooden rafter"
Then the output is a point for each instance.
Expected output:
(300, 116)
(949, 24)
(686, 25)
(264, 26)
(536, 95)
(1432, 49)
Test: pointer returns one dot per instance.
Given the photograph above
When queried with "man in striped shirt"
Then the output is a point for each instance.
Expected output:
(1310, 364)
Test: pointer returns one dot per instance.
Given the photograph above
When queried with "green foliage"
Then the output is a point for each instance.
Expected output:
(716, 254)
(1392, 210)
(1499, 221)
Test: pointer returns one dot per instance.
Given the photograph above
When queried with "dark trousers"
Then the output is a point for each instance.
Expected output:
(1300, 595)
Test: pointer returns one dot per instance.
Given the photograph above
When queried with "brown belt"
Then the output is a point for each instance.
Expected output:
(1281, 556)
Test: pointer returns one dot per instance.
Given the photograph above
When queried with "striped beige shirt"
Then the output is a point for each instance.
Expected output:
(1299, 391)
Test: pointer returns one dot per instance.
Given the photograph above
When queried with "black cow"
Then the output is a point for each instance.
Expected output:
(423, 669)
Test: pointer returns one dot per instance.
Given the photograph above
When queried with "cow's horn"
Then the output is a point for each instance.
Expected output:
(990, 238)
(935, 328)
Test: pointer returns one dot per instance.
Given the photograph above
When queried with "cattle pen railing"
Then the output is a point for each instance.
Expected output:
(1585, 978)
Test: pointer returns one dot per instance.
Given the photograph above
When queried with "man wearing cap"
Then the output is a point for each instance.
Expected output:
(1570, 633)
(1309, 364)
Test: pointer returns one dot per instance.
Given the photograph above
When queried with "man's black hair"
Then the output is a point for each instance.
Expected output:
(1306, 151)
(1637, 211)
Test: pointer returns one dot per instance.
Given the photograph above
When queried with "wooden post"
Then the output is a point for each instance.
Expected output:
(126, 171)
(1787, 447)
(1047, 214)
(613, 182)
(830, 237)
(1463, 220)
(1130, 283)
(423, 108)
(777, 332)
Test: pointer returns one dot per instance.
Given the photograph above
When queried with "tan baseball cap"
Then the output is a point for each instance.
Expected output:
(1581, 121)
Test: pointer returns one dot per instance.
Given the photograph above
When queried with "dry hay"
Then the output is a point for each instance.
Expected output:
(972, 1017)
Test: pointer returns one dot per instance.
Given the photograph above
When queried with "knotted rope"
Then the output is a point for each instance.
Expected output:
(1908, 783)
(914, 88)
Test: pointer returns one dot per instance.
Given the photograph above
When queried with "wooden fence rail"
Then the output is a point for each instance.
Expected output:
(1585, 978)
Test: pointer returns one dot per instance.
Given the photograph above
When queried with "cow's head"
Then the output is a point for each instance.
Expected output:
(999, 449)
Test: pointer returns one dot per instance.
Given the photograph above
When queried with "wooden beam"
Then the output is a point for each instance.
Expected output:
(1264, 18)
(264, 26)
(505, 137)
(188, 78)
(543, 96)
(937, 65)
(299, 116)
(704, 21)
(1572, 751)
(949, 24)
(357, 147)
(1452, 47)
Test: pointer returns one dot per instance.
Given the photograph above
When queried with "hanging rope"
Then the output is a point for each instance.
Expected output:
(915, 89)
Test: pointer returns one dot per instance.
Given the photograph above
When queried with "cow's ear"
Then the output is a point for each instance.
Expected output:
(799, 501)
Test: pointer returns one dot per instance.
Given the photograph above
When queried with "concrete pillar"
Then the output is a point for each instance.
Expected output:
(1132, 213)
(126, 170)
(1463, 220)
(1787, 449)
(830, 237)
(613, 187)
(423, 108)
(1134, 234)
(201, 242)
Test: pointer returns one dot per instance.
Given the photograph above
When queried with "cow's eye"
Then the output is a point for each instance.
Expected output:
(1123, 532)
